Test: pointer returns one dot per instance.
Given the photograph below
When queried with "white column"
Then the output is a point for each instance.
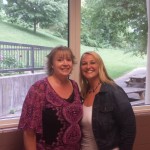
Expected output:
(147, 94)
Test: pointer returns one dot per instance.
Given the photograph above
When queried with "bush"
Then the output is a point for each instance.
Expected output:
(7, 62)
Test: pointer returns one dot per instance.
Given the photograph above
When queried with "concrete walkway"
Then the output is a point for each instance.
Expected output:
(138, 71)
(121, 82)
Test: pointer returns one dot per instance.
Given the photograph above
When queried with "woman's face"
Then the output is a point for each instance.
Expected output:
(89, 67)
(62, 64)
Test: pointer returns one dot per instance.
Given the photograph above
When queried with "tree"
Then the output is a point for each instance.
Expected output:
(117, 23)
(1, 4)
(37, 12)
(1, 9)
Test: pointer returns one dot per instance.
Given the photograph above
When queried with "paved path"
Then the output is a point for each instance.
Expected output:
(138, 71)
(121, 80)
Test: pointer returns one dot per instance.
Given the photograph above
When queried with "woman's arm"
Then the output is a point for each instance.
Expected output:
(125, 119)
(29, 140)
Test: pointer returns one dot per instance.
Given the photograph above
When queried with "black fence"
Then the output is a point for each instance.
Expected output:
(15, 57)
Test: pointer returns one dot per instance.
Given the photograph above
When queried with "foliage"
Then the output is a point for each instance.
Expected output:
(116, 23)
(37, 13)
(114, 59)
(1, 2)
(1, 9)
(7, 62)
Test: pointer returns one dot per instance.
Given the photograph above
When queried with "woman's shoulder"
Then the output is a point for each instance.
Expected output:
(75, 86)
(39, 85)
(40, 81)
(108, 86)
(74, 82)
(111, 87)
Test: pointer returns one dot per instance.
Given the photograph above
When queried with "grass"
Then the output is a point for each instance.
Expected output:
(116, 61)
(17, 34)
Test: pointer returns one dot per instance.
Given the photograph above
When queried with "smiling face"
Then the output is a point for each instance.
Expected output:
(89, 67)
(62, 64)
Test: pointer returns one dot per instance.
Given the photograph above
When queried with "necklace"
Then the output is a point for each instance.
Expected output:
(94, 89)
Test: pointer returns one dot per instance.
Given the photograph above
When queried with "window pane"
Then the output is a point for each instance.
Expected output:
(117, 30)
(27, 36)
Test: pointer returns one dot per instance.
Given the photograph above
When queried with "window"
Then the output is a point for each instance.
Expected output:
(74, 43)
(121, 39)
(23, 33)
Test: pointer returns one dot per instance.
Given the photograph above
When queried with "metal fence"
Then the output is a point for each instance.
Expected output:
(15, 57)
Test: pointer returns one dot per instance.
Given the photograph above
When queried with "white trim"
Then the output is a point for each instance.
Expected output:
(141, 109)
(147, 93)
(9, 123)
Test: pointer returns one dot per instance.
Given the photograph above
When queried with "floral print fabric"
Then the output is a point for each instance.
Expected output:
(41, 96)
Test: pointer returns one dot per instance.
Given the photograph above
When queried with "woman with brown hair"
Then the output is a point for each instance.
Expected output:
(52, 109)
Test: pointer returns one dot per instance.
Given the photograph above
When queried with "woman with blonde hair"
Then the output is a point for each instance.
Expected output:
(108, 121)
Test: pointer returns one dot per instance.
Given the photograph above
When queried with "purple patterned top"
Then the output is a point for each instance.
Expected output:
(55, 121)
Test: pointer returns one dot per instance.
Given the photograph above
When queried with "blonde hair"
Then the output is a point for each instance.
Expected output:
(103, 75)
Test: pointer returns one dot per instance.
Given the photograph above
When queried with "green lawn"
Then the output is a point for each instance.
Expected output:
(116, 61)
(14, 33)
